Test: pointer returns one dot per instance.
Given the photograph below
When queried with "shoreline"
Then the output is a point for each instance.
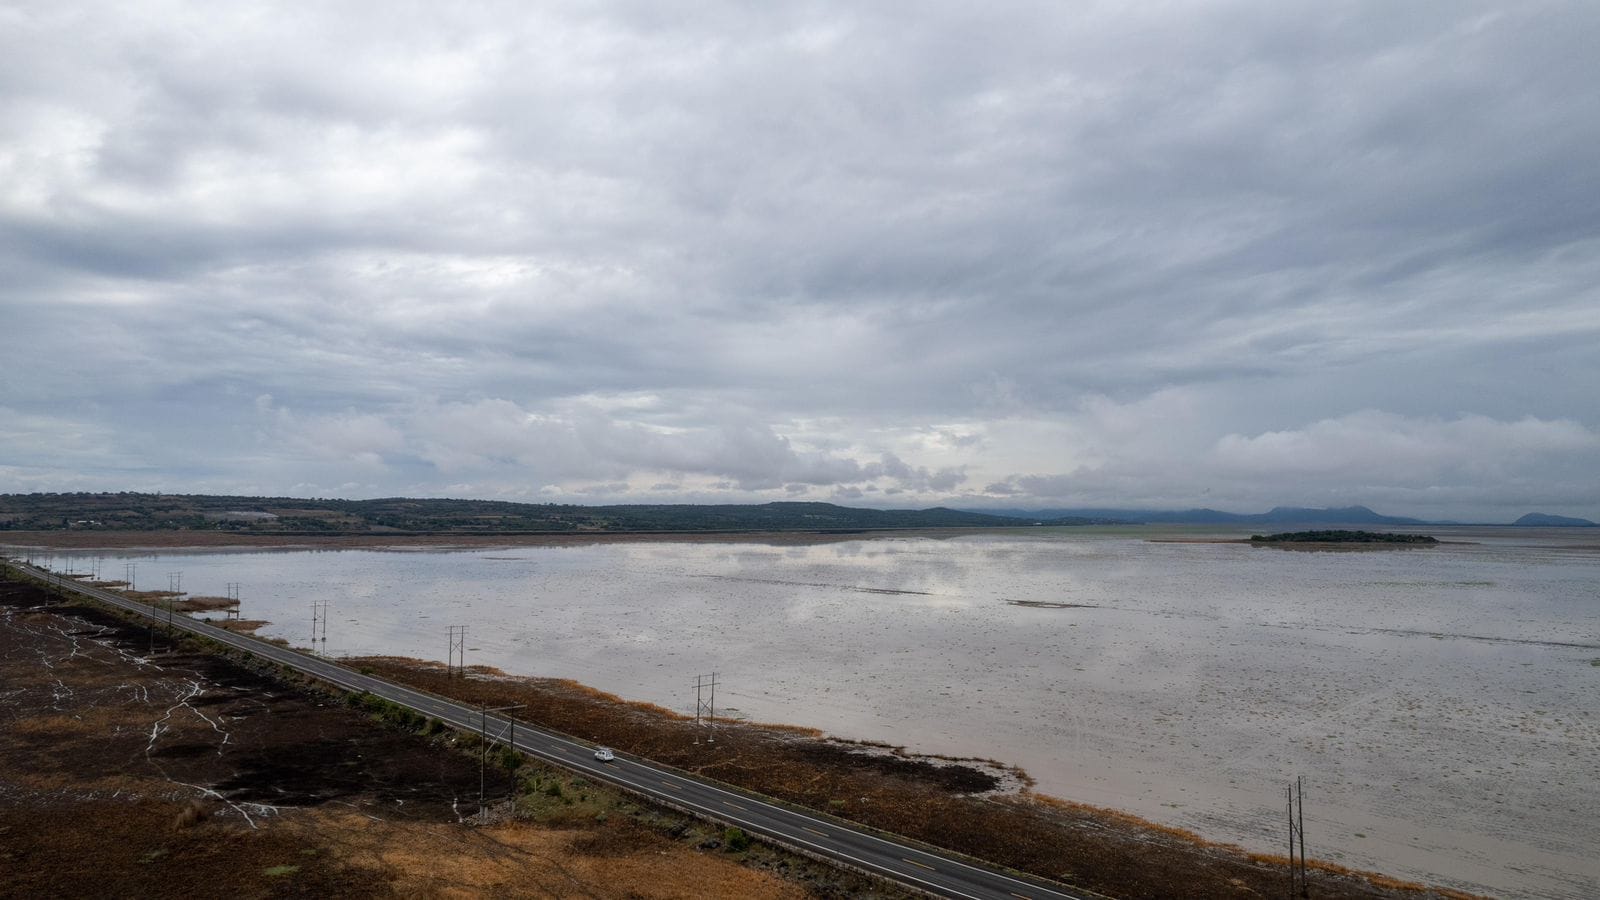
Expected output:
(1094, 797)
(109, 787)
(981, 808)
(881, 786)
(889, 787)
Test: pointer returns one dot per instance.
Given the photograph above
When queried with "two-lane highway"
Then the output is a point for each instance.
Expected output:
(909, 864)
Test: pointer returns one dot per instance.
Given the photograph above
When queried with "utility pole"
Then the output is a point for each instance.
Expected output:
(698, 706)
(1300, 807)
(483, 748)
(458, 651)
(128, 570)
(703, 685)
(319, 616)
(1296, 809)
(233, 594)
(174, 585)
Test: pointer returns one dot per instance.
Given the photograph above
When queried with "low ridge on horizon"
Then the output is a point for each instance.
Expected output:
(1355, 514)
(402, 515)
(226, 512)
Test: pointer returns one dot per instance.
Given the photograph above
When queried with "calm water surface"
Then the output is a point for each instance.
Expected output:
(1443, 704)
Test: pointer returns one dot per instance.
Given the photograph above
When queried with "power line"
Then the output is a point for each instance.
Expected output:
(483, 746)
(319, 617)
(1296, 808)
(174, 588)
(705, 710)
(458, 650)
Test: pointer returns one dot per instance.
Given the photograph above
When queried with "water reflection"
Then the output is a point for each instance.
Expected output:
(1184, 682)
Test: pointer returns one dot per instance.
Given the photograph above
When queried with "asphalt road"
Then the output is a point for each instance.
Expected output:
(911, 865)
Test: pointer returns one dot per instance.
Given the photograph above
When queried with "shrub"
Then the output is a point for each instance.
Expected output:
(192, 815)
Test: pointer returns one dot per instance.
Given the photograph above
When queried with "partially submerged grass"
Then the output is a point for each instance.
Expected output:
(205, 604)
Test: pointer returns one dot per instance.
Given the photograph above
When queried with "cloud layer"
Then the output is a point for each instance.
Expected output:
(1230, 253)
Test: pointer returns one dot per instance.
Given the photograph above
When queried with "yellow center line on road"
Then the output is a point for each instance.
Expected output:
(814, 831)
(1020, 896)
(732, 804)
(915, 863)
(668, 784)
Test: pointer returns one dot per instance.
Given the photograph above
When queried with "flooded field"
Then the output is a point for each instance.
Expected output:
(1443, 704)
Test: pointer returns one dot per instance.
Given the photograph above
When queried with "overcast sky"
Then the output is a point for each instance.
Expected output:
(1054, 254)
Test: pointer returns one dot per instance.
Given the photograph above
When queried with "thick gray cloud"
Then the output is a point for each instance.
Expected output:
(1223, 253)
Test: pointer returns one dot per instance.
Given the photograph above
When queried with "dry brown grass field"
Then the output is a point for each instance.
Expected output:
(174, 773)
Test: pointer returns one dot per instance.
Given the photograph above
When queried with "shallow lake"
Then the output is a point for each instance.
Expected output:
(1443, 704)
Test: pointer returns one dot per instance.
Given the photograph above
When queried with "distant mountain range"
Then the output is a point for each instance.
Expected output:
(1278, 515)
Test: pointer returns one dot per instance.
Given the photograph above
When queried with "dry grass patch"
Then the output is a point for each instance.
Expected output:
(355, 809)
(952, 804)
(205, 604)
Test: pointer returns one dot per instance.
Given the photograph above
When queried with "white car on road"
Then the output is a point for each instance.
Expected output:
(604, 754)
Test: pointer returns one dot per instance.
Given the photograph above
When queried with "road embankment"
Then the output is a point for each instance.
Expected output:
(980, 808)
(141, 766)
